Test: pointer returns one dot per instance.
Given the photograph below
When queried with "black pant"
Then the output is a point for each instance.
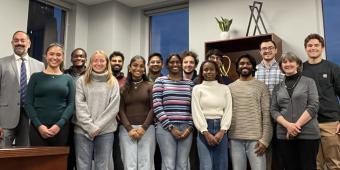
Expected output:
(61, 139)
(71, 159)
(299, 154)
(117, 159)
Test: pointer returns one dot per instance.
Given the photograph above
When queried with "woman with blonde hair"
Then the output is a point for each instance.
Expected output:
(97, 104)
(49, 101)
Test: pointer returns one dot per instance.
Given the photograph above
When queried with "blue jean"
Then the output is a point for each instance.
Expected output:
(100, 149)
(175, 153)
(241, 150)
(213, 157)
(138, 154)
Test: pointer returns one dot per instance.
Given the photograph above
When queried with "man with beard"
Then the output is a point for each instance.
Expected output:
(15, 71)
(155, 64)
(268, 71)
(216, 56)
(117, 62)
(189, 64)
(78, 68)
(250, 132)
(78, 59)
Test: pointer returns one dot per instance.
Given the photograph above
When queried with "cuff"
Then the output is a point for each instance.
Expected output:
(61, 122)
(36, 122)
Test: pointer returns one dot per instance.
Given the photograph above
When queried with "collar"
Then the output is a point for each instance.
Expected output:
(25, 57)
(210, 83)
(271, 64)
(119, 76)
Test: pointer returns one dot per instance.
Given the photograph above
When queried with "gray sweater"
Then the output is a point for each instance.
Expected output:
(304, 98)
(97, 105)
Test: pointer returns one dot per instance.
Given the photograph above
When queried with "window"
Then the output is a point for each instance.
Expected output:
(169, 33)
(331, 15)
(46, 24)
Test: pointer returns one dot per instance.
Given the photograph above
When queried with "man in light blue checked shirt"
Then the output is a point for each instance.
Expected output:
(269, 72)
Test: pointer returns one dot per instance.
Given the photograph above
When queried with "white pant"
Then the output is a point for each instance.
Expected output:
(137, 155)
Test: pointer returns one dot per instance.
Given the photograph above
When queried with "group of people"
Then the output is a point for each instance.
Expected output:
(280, 113)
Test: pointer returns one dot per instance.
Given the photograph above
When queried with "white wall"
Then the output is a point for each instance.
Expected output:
(76, 30)
(112, 26)
(81, 26)
(100, 30)
(13, 17)
(291, 20)
(109, 28)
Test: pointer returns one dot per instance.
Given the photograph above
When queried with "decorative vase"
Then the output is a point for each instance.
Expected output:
(225, 35)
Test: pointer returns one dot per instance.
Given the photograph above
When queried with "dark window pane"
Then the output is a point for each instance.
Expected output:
(331, 15)
(169, 33)
(46, 24)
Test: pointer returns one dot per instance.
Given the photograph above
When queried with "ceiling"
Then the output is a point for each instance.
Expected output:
(130, 3)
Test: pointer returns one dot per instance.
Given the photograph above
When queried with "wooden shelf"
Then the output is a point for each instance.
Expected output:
(234, 48)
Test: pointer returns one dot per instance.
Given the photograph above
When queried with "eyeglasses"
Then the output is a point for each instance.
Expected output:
(267, 48)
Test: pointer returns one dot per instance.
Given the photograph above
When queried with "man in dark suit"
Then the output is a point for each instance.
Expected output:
(15, 71)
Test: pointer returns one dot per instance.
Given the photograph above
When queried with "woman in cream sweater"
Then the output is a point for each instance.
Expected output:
(211, 113)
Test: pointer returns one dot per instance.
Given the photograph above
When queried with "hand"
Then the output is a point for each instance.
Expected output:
(54, 130)
(186, 133)
(293, 129)
(260, 148)
(95, 133)
(44, 132)
(210, 138)
(140, 131)
(219, 136)
(1, 133)
(338, 129)
(176, 133)
(133, 134)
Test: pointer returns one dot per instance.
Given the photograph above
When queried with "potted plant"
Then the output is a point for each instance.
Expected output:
(224, 25)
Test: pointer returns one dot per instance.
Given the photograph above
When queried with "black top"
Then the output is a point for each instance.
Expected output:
(327, 78)
(291, 82)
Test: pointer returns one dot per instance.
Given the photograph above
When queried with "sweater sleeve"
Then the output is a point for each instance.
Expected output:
(149, 118)
(267, 128)
(158, 105)
(336, 72)
(126, 123)
(197, 113)
(69, 110)
(29, 101)
(313, 99)
(227, 114)
(111, 111)
(274, 107)
(83, 116)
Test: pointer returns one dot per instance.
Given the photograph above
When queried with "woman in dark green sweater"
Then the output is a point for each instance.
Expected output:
(50, 101)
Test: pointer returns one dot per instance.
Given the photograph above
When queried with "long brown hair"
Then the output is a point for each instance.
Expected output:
(110, 79)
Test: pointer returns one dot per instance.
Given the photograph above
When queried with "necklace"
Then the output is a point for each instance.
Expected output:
(136, 83)
(291, 85)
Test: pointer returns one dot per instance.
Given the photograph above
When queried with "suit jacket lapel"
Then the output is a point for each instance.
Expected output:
(14, 67)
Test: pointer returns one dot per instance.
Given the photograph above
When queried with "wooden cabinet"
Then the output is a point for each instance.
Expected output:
(34, 158)
(234, 48)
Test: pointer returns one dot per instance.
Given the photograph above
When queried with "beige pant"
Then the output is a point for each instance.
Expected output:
(329, 148)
